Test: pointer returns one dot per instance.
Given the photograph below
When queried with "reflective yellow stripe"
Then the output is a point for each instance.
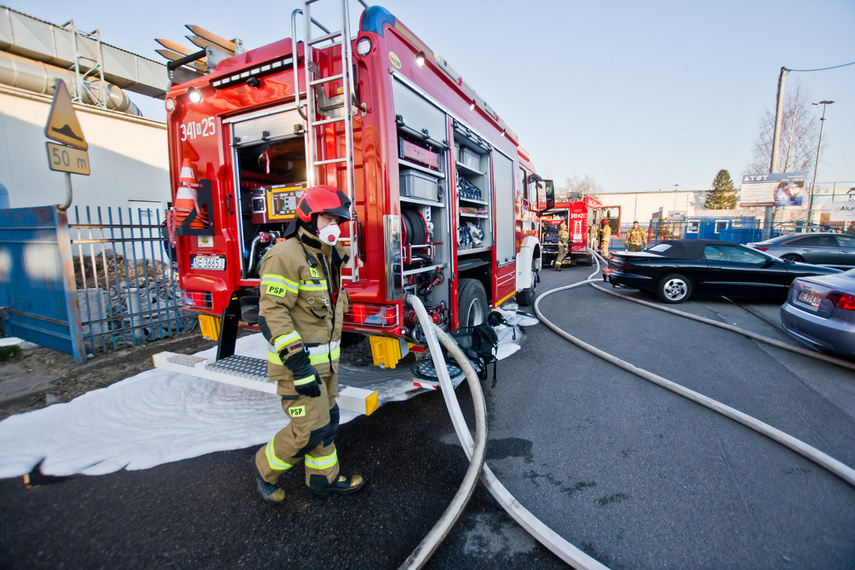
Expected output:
(273, 356)
(324, 356)
(292, 338)
(311, 286)
(304, 381)
(324, 348)
(275, 463)
(324, 462)
(278, 280)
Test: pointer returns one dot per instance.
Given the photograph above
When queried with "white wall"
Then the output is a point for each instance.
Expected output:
(642, 205)
(128, 157)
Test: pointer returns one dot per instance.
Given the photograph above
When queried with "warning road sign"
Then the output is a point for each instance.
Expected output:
(67, 159)
(62, 125)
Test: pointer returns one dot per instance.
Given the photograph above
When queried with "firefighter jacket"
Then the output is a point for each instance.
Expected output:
(302, 302)
(636, 236)
(605, 234)
(563, 234)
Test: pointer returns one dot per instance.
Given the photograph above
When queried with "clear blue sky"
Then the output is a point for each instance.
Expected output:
(639, 95)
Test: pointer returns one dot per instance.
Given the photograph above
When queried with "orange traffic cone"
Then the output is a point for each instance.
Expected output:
(186, 201)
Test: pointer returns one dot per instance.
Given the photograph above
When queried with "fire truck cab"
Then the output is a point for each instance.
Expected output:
(444, 200)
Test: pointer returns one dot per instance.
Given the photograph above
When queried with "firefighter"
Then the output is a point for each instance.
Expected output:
(636, 238)
(563, 243)
(605, 237)
(300, 314)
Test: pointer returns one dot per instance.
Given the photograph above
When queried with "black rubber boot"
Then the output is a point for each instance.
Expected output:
(343, 485)
(272, 493)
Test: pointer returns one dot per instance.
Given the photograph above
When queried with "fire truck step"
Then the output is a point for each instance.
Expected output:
(251, 373)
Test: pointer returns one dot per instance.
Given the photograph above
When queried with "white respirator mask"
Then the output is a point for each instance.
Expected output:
(329, 234)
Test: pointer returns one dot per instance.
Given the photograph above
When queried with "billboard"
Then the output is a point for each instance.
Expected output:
(842, 211)
(779, 189)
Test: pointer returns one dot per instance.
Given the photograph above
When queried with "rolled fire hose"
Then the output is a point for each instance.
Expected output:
(545, 535)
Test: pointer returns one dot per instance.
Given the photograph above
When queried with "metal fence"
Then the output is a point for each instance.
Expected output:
(127, 286)
(737, 230)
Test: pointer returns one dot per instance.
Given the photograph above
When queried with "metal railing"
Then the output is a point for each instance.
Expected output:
(127, 286)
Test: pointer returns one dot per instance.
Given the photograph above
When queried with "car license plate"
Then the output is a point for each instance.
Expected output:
(209, 262)
(810, 299)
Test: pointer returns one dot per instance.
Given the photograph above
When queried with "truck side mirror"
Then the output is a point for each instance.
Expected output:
(550, 195)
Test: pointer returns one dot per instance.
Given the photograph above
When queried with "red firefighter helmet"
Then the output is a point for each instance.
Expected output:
(323, 199)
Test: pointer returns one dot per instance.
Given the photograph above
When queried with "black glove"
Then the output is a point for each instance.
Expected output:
(307, 381)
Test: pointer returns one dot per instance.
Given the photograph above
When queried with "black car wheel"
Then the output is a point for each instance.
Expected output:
(674, 288)
(792, 257)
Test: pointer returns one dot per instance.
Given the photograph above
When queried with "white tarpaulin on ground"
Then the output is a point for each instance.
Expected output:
(160, 416)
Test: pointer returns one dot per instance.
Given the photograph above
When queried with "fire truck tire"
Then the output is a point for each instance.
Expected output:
(587, 260)
(526, 297)
(472, 303)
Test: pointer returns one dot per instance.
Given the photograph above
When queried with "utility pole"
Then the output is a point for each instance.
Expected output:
(825, 103)
(768, 217)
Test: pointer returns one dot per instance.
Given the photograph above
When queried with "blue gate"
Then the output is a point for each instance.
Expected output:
(37, 291)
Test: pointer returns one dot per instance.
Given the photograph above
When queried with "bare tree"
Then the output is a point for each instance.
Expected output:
(575, 187)
(797, 145)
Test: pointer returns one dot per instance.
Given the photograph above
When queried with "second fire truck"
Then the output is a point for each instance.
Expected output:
(444, 198)
(583, 218)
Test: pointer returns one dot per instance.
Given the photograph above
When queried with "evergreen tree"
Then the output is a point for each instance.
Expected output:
(722, 196)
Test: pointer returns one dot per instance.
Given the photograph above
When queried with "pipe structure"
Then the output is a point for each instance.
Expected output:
(35, 76)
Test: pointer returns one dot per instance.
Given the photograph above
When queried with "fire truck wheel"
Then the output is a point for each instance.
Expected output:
(472, 304)
(527, 297)
(587, 260)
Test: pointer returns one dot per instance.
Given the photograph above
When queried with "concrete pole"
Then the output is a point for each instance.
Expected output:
(768, 217)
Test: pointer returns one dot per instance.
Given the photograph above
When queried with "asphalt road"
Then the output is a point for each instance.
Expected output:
(632, 474)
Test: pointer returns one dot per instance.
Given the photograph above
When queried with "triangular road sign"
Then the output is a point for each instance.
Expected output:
(62, 125)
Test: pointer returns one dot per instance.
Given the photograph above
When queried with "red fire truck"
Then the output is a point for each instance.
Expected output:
(582, 217)
(444, 198)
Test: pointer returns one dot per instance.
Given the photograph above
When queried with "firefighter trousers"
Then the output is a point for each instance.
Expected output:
(562, 253)
(308, 437)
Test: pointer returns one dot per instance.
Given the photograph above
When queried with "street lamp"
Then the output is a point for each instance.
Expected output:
(825, 103)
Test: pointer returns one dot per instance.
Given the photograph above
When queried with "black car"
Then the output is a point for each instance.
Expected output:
(675, 269)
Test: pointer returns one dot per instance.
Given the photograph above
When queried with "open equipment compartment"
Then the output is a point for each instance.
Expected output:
(269, 160)
(422, 131)
(474, 200)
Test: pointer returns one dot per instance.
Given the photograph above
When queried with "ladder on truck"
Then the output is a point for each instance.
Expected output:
(321, 111)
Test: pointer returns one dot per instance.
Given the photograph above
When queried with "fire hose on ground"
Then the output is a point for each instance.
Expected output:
(832, 465)
(476, 452)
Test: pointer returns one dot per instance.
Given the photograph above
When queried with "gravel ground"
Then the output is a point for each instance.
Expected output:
(34, 378)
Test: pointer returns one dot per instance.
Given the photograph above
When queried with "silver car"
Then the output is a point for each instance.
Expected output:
(820, 311)
(823, 248)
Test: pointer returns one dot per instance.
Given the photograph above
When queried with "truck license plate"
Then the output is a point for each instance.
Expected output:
(209, 262)
(809, 298)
